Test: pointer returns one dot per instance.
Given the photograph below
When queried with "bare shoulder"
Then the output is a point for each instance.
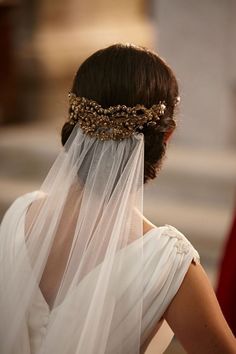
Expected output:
(33, 209)
(147, 225)
(196, 318)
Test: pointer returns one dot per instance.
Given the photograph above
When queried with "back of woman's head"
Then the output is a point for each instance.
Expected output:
(130, 75)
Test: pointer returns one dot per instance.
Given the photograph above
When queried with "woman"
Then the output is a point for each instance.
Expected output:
(82, 270)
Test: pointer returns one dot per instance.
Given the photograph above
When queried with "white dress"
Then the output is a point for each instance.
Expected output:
(167, 257)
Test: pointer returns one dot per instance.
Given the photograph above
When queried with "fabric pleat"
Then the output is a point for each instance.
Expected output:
(77, 274)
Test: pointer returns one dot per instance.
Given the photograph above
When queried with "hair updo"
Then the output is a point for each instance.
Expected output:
(130, 75)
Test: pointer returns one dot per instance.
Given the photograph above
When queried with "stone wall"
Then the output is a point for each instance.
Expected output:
(197, 38)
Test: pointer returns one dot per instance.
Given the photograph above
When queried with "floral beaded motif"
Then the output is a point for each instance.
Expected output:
(115, 122)
(182, 245)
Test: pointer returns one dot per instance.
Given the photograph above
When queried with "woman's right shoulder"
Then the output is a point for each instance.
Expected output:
(196, 318)
(169, 238)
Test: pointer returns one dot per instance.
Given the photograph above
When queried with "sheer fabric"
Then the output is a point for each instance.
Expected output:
(75, 251)
(86, 214)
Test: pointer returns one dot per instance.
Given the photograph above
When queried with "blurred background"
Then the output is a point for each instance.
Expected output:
(42, 43)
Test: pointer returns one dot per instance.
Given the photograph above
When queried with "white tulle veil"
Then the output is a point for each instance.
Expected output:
(82, 245)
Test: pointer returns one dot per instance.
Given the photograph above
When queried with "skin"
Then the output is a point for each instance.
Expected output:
(195, 316)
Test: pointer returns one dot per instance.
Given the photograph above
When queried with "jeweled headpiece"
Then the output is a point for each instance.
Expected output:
(115, 122)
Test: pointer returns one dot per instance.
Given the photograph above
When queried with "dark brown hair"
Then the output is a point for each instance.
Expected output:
(130, 75)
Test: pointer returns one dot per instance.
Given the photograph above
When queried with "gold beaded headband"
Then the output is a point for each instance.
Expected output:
(116, 122)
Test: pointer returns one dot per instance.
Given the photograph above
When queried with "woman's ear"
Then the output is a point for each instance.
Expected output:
(167, 135)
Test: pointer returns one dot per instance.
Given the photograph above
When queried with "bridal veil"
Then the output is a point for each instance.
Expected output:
(77, 231)
(79, 242)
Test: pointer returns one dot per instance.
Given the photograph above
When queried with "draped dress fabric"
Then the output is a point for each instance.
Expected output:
(167, 257)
